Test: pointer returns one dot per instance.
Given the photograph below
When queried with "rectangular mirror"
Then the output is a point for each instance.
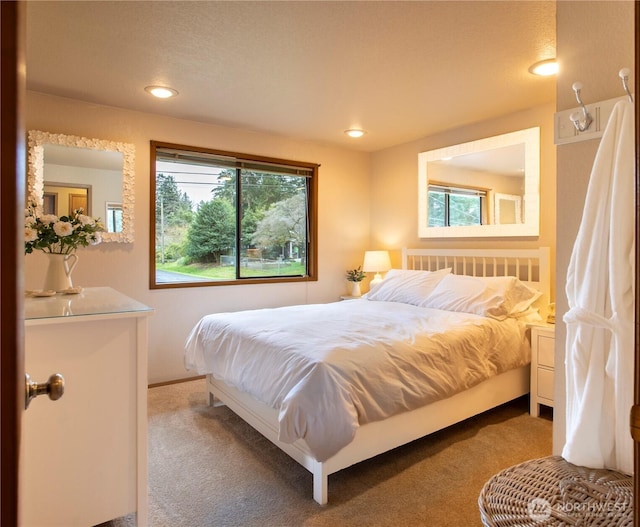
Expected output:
(67, 172)
(484, 188)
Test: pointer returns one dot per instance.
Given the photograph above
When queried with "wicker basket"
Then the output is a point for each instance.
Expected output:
(552, 492)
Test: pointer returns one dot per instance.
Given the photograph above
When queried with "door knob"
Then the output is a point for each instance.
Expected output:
(54, 388)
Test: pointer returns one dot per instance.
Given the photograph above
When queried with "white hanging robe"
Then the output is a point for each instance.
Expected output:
(600, 321)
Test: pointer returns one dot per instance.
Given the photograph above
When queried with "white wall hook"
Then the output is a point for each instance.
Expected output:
(583, 125)
(624, 75)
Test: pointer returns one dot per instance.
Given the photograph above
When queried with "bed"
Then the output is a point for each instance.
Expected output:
(383, 378)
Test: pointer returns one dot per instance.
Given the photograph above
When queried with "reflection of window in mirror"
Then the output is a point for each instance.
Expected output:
(450, 205)
(113, 217)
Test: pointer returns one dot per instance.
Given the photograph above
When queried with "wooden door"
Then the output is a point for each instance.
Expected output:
(12, 178)
(78, 201)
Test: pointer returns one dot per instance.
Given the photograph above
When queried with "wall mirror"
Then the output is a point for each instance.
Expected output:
(485, 188)
(67, 172)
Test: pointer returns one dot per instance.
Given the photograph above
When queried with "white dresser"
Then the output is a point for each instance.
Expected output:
(84, 456)
(543, 341)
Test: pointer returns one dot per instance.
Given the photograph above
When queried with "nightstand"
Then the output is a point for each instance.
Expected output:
(543, 338)
(349, 297)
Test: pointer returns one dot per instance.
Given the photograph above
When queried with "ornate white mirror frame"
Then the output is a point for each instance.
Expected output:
(530, 226)
(35, 174)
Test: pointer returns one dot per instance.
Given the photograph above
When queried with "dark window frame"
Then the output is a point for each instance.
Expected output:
(250, 160)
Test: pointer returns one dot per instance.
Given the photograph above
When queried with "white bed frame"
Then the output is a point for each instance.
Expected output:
(531, 266)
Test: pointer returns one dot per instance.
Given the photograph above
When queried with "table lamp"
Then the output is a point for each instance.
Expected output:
(376, 262)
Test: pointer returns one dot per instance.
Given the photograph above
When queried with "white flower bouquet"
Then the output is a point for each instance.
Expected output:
(60, 235)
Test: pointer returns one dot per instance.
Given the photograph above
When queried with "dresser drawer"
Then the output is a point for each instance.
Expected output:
(545, 384)
(546, 350)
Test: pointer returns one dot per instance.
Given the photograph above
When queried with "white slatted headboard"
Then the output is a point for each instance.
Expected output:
(531, 266)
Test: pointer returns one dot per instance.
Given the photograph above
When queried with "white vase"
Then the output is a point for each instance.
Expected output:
(58, 277)
(355, 289)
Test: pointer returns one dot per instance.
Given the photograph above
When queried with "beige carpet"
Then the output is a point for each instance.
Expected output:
(207, 468)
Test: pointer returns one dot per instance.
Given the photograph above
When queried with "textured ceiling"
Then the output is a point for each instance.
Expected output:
(306, 70)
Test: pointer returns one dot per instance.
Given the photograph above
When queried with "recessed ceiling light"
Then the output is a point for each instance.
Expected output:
(544, 68)
(354, 132)
(161, 92)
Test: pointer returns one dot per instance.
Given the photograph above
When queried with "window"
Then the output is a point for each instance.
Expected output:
(113, 217)
(224, 218)
(456, 206)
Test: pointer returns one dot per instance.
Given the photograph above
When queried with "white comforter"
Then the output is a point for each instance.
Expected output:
(329, 368)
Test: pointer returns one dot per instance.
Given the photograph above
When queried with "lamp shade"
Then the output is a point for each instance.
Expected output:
(376, 262)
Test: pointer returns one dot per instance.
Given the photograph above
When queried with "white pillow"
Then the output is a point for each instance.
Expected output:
(408, 287)
(497, 297)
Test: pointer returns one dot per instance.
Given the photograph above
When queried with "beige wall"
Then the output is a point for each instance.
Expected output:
(366, 201)
(394, 186)
(343, 222)
(593, 57)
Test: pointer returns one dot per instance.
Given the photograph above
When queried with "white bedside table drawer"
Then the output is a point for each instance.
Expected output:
(546, 350)
(542, 367)
(545, 384)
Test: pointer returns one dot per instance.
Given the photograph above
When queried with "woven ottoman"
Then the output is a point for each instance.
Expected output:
(552, 492)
